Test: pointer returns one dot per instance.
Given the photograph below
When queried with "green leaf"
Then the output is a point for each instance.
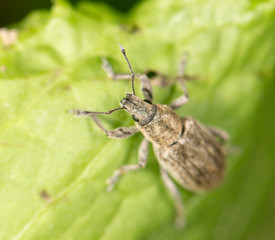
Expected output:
(53, 166)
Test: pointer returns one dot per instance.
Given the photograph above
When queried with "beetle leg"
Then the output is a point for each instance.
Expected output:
(142, 160)
(111, 73)
(221, 134)
(121, 132)
(180, 211)
(178, 102)
(146, 87)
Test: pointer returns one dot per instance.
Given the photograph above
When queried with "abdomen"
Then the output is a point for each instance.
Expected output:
(198, 164)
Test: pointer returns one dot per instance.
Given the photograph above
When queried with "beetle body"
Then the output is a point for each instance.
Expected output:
(189, 152)
(186, 149)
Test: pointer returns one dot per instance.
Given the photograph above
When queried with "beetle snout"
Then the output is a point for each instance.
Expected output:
(129, 99)
(128, 103)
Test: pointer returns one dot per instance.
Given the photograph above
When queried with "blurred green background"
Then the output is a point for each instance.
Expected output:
(14, 10)
(53, 166)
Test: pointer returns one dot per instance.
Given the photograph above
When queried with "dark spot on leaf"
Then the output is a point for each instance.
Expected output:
(45, 195)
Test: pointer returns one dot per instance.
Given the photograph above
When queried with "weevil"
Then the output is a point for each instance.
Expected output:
(191, 153)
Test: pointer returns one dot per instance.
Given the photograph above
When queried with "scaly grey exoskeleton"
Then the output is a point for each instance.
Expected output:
(191, 153)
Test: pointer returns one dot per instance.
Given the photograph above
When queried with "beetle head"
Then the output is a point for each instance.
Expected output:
(142, 111)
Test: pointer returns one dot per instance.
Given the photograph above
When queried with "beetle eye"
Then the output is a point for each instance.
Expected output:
(148, 101)
(135, 118)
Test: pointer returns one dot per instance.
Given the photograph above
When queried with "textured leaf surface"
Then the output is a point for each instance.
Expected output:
(53, 166)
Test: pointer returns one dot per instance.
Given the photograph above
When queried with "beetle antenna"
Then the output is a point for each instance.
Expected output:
(122, 49)
(87, 113)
